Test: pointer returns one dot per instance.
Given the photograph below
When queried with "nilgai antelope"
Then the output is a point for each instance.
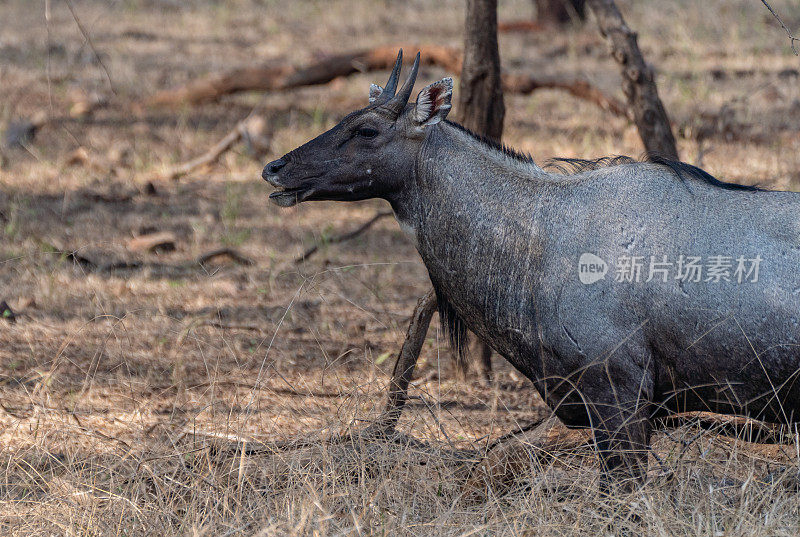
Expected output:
(625, 291)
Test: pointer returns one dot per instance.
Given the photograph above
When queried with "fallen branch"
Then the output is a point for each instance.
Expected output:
(243, 129)
(225, 252)
(581, 89)
(512, 456)
(113, 265)
(344, 237)
(280, 76)
(277, 76)
(740, 427)
(520, 26)
(792, 38)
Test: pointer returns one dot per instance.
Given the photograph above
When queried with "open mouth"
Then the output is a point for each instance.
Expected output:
(288, 197)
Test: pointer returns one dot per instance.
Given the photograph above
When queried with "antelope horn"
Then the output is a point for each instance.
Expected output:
(391, 85)
(397, 103)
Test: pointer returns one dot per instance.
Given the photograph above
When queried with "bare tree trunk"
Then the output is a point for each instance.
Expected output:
(558, 12)
(638, 80)
(480, 100)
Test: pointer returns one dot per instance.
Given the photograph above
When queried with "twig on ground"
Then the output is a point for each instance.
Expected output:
(344, 237)
(222, 326)
(792, 38)
(746, 429)
(110, 266)
(229, 252)
(274, 390)
(210, 156)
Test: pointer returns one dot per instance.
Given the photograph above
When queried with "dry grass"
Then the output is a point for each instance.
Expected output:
(77, 480)
(126, 394)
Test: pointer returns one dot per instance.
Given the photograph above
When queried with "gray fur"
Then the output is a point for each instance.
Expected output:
(501, 239)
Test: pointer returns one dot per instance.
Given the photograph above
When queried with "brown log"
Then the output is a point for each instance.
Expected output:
(277, 77)
(280, 76)
(638, 80)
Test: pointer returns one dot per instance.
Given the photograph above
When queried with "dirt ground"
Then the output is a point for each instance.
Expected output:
(129, 375)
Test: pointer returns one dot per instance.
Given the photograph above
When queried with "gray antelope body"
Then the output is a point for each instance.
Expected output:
(503, 241)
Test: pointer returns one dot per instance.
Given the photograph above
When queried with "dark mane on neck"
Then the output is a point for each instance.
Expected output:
(454, 327)
(681, 169)
(508, 151)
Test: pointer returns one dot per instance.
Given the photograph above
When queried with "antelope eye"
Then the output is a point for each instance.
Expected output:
(367, 132)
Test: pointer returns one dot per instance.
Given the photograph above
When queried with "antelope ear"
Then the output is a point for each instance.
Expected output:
(433, 102)
(375, 91)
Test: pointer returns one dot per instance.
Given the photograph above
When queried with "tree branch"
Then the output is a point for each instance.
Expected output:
(792, 38)
(638, 80)
(522, 84)
(344, 237)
